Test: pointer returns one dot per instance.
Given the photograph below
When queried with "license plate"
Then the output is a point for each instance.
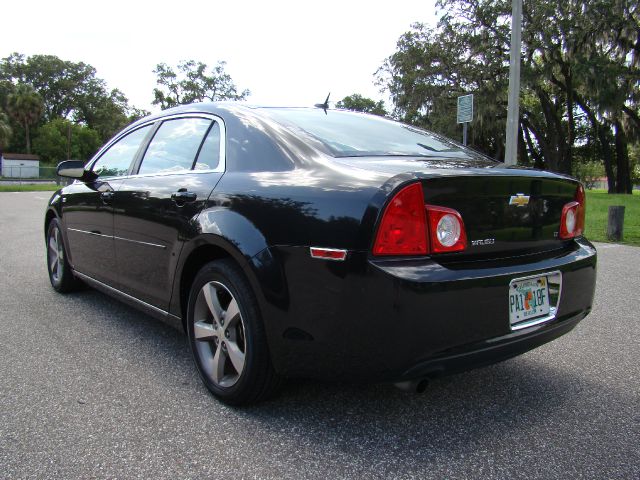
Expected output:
(528, 299)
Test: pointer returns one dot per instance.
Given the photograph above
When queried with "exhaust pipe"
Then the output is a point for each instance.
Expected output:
(413, 386)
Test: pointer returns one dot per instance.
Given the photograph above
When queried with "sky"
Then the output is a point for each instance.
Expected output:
(285, 52)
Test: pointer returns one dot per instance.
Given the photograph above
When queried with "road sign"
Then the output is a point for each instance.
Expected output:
(465, 108)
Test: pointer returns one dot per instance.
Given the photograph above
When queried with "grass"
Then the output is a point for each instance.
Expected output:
(26, 187)
(598, 202)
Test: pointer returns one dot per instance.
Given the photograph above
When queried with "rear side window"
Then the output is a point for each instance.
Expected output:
(174, 146)
(115, 162)
(209, 156)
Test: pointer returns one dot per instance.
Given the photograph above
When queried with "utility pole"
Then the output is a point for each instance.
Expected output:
(513, 109)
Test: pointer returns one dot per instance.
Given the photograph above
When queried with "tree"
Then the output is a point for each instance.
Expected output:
(432, 67)
(358, 103)
(588, 173)
(61, 139)
(26, 106)
(69, 90)
(634, 161)
(106, 112)
(193, 83)
(580, 65)
(588, 52)
(5, 131)
(60, 83)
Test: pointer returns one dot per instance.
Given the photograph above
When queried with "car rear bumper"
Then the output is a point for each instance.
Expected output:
(391, 320)
(492, 350)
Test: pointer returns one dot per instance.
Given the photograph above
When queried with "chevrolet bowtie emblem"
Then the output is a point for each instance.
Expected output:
(519, 200)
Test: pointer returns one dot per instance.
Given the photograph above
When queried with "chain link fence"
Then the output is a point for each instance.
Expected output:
(31, 174)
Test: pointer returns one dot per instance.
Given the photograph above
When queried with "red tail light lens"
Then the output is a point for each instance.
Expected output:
(446, 230)
(409, 227)
(572, 218)
(403, 229)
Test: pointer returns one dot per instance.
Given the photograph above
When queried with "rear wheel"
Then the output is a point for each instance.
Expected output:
(227, 336)
(60, 273)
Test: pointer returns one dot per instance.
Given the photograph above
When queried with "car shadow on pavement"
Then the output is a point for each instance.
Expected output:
(454, 415)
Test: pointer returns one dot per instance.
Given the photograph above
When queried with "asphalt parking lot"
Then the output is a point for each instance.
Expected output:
(90, 388)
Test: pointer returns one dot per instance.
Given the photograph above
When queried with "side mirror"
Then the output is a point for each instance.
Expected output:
(74, 169)
(71, 169)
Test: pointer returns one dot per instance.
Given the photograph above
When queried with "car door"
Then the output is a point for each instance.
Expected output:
(87, 210)
(155, 209)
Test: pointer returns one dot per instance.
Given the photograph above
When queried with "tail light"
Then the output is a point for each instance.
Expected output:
(409, 227)
(572, 218)
(446, 230)
(403, 229)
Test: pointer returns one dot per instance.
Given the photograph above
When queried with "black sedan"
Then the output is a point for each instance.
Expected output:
(303, 242)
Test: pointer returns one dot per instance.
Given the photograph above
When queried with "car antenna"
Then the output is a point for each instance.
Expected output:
(324, 106)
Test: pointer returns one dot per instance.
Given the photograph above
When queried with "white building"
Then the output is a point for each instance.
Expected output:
(20, 165)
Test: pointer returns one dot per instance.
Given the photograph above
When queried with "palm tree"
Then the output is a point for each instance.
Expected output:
(5, 131)
(25, 105)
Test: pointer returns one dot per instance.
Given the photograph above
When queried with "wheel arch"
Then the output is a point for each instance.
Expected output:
(224, 234)
(206, 251)
(48, 216)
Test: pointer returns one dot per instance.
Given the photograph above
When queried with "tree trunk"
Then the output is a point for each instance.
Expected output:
(607, 157)
(522, 147)
(553, 146)
(567, 159)
(26, 129)
(623, 177)
(499, 156)
(537, 159)
(635, 118)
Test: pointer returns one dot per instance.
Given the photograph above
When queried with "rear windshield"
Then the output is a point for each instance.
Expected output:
(350, 134)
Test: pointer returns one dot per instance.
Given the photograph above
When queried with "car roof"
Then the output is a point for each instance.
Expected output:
(254, 121)
(230, 106)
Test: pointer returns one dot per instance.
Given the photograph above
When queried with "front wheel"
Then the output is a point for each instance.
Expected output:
(60, 273)
(227, 337)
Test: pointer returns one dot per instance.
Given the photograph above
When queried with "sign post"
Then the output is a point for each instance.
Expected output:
(465, 114)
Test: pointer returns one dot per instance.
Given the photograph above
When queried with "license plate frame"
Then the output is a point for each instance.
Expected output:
(533, 299)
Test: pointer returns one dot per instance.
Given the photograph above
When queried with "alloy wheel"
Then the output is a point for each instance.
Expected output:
(56, 255)
(219, 334)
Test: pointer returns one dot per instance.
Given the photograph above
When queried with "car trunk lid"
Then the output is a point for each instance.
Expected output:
(504, 214)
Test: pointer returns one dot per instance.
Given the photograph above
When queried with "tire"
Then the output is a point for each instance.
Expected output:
(227, 336)
(60, 272)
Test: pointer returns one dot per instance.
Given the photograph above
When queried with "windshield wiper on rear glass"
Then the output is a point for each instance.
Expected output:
(431, 149)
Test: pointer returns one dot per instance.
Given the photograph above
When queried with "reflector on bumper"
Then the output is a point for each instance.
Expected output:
(328, 253)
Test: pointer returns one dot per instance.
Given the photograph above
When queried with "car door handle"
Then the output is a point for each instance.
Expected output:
(106, 197)
(182, 196)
